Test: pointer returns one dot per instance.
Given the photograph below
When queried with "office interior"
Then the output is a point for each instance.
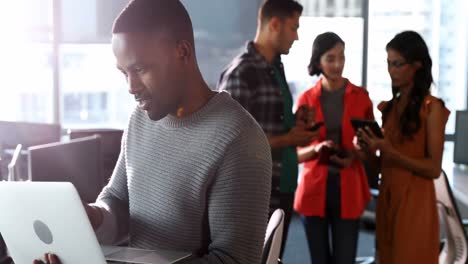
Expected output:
(64, 105)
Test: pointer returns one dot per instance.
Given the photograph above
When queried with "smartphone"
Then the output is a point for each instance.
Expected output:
(316, 126)
(326, 153)
(362, 123)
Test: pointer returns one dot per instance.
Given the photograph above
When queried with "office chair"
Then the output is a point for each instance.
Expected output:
(454, 249)
(28, 134)
(77, 161)
(13, 174)
(110, 147)
(273, 238)
(13, 166)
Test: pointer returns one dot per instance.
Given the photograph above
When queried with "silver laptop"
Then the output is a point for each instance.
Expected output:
(41, 217)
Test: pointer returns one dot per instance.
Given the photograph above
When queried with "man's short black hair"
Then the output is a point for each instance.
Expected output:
(169, 16)
(281, 9)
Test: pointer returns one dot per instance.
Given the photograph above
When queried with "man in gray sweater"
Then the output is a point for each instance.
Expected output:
(194, 169)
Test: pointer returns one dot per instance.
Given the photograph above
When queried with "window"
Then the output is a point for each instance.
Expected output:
(319, 17)
(26, 52)
(94, 93)
(217, 43)
(444, 27)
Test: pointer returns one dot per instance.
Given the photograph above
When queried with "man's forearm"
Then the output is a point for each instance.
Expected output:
(307, 153)
(106, 228)
(279, 141)
(113, 224)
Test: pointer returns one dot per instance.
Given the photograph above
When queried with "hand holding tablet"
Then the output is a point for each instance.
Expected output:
(363, 123)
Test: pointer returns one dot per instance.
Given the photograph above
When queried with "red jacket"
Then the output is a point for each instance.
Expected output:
(311, 191)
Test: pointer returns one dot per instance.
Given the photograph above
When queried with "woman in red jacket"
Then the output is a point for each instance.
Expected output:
(333, 189)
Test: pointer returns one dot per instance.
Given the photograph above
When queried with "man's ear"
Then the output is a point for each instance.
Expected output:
(275, 24)
(184, 50)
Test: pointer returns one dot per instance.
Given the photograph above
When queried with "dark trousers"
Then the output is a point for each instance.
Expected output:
(342, 232)
(284, 201)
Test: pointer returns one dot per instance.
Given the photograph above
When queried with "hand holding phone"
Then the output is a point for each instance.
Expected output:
(315, 126)
(305, 115)
(363, 123)
(328, 150)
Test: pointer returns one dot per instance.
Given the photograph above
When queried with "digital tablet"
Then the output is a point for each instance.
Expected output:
(362, 123)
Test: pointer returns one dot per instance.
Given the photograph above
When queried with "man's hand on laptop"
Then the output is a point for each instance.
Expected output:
(94, 215)
(49, 258)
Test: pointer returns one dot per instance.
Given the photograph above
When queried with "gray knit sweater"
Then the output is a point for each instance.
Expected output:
(200, 184)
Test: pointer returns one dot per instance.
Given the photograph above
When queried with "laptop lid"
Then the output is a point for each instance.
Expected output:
(41, 217)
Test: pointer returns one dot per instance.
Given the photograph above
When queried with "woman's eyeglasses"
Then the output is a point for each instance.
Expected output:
(396, 64)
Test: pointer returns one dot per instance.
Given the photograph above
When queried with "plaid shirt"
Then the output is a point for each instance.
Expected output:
(251, 81)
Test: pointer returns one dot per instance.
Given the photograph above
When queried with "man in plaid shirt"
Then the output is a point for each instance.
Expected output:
(256, 80)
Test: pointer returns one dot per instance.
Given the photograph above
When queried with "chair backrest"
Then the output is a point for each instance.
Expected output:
(13, 166)
(110, 147)
(27, 134)
(455, 249)
(273, 238)
(460, 155)
(77, 161)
